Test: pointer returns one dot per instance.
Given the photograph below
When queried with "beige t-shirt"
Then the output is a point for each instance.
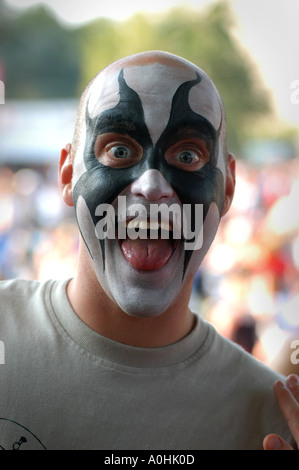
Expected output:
(64, 386)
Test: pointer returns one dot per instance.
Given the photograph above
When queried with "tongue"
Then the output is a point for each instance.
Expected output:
(146, 254)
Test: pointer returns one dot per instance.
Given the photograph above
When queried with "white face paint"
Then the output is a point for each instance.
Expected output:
(156, 95)
(141, 291)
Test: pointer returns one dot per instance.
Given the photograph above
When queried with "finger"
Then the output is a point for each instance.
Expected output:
(275, 442)
(292, 383)
(289, 407)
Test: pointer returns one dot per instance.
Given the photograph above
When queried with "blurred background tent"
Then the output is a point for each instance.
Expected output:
(49, 51)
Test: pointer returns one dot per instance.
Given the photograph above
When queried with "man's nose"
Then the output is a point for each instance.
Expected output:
(152, 186)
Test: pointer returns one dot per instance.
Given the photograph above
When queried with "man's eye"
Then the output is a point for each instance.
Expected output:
(117, 150)
(187, 157)
(120, 151)
(188, 160)
(188, 154)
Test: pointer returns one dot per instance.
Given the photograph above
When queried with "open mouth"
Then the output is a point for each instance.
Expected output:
(149, 245)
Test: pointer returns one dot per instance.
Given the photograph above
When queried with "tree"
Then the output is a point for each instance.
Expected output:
(203, 38)
(43, 59)
(40, 56)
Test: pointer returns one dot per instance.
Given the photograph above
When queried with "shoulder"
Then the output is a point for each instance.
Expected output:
(14, 290)
(17, 284)
(246, 385)
(231, 360)
(20, 296)
(26, 312)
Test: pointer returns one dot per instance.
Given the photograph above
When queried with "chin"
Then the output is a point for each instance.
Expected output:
(142, 300)
(146, 309)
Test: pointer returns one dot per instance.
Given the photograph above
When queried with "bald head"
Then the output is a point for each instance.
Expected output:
(151, 128)
(152, 74)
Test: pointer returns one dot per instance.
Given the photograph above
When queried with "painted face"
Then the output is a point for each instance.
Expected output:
(152, 135)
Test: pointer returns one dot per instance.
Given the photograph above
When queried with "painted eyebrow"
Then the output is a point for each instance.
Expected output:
(204, 131)
(115, 123)
(200, 128)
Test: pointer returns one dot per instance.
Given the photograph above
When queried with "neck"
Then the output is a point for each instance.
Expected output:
(103, 315)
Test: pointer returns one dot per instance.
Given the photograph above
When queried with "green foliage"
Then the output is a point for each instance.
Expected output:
(205, 39)
(44, 59)
(40, 56)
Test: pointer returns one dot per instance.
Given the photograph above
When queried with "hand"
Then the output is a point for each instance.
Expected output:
(287, 396)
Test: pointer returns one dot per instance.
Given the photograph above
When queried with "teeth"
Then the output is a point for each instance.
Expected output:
(146, 225)
(165, 226)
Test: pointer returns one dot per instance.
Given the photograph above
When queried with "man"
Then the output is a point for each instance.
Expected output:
(114, 358)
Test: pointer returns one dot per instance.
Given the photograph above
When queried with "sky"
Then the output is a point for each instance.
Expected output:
(268, 29)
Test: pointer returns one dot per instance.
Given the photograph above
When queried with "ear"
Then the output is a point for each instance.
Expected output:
(230, 182)
(65, 174)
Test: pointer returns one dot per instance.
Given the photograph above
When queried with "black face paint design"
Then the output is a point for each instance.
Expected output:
(102, 184)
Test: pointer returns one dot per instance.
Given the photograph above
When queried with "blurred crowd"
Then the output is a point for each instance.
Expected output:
(248, 285)
(38, 236)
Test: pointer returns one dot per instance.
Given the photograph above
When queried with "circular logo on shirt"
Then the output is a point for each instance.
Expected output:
(14, 436)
